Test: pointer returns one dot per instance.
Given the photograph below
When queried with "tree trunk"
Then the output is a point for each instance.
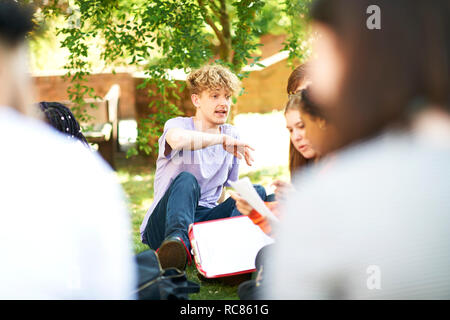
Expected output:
(225, 22)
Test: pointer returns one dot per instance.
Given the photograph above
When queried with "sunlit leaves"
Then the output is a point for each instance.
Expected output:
(161, 35)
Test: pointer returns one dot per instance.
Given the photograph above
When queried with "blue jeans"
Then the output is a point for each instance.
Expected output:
(178, 208)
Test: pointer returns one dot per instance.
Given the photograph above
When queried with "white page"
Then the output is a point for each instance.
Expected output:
(246, 190)
(229, 245)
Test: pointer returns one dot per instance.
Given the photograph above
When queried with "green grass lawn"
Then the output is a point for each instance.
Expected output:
(136, 176)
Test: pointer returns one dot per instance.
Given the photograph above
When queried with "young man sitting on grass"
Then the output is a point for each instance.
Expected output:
(197, 157)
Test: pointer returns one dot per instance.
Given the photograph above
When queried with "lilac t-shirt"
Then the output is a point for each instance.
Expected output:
(212, 166)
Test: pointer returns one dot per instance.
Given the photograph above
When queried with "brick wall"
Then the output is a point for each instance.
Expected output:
(54, 88)
(264, 91)
(143, 100)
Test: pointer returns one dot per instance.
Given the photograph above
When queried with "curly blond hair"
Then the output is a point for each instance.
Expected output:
(213, 77)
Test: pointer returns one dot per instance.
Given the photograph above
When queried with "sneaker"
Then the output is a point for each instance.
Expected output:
(172, 254)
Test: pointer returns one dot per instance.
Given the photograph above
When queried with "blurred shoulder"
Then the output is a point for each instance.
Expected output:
(178, 122)
(34, 144)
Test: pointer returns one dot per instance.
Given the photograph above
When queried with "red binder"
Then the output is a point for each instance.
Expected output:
(226, 247)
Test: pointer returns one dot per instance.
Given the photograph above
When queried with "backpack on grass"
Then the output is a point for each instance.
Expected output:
(155, 283)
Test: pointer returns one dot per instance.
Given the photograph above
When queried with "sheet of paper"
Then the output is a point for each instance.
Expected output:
(246, 190)
(229, 245)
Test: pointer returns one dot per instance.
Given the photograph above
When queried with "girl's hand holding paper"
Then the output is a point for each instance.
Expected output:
(243, 206)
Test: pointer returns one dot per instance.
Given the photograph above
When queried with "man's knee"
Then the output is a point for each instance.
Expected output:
(261, 191)
(186, 176)
(187, 180)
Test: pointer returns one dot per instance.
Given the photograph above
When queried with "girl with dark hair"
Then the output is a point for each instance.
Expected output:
(311, 131)
(298, 79)
(317, 128)
(299, 109)
(300, 151)
(62, 119)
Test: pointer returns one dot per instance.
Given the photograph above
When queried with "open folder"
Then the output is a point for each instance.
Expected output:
(226, 247)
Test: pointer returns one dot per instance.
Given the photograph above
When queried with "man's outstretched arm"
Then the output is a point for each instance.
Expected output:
(179, 139)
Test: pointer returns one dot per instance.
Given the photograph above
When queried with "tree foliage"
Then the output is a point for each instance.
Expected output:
(162, 35)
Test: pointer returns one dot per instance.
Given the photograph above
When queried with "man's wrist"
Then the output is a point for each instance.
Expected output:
(221, 138)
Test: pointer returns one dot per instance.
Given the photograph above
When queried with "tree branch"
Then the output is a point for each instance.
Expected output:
(215, 8)
(225, 22)
(211, 23)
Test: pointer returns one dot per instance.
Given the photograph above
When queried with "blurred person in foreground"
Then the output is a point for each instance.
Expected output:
(63, 222)
(377, 225)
